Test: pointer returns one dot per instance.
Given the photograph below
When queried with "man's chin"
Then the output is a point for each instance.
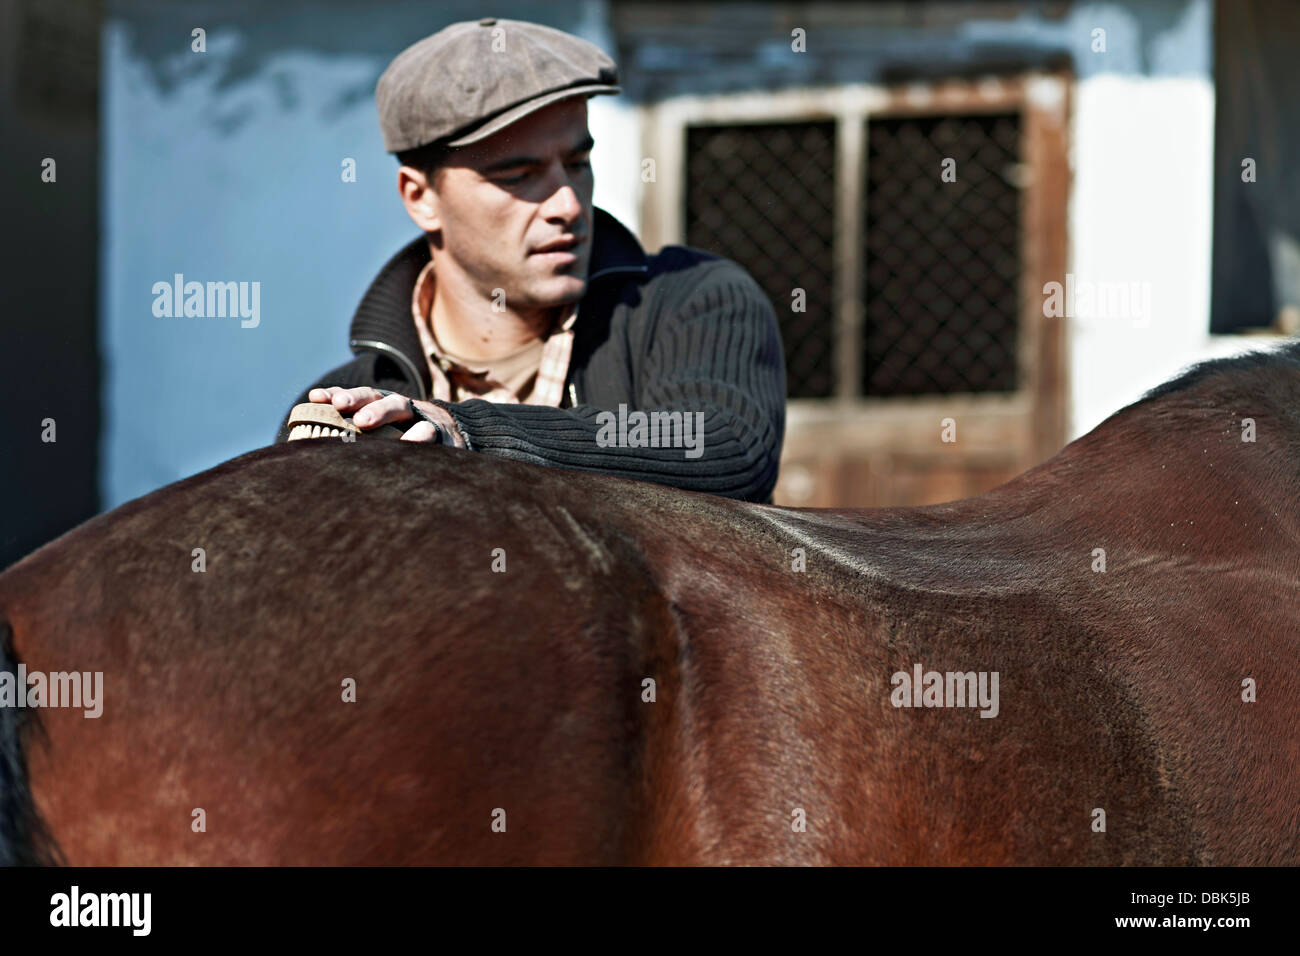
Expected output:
(556, 291)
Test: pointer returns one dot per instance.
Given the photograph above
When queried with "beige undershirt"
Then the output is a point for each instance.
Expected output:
(516, 371)
(510, 377)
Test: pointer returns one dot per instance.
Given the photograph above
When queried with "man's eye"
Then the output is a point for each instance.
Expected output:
(510, 180)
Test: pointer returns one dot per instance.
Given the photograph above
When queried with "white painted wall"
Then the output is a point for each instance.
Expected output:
(615, 126)
(1141, 211)
(616, 158)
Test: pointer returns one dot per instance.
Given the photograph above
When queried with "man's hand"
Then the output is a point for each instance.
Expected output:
(369, 410)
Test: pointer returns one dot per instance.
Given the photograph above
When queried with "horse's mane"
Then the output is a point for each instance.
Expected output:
(1286, 355)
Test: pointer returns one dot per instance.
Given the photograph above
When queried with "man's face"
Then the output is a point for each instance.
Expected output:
(504, 198)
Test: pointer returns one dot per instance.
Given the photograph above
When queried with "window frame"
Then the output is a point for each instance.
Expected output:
(1042, 99)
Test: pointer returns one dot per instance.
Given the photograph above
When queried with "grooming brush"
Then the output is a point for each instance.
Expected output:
(318, 420)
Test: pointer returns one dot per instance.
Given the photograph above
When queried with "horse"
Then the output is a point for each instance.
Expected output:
(373, 652)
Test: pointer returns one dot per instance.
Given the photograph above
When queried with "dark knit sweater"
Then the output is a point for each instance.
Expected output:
(680, 330)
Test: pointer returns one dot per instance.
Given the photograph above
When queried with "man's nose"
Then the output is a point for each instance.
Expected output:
(563, 203)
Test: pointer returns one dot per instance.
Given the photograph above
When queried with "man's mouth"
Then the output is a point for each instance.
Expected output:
(564, 246)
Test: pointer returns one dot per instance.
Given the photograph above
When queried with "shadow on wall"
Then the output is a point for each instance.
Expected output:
(1257, 136)
(49, 172)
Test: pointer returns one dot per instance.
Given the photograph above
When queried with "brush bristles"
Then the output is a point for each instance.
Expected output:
(311, 420)
(313, 431)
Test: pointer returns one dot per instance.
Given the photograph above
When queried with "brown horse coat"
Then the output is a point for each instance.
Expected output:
(519, 698)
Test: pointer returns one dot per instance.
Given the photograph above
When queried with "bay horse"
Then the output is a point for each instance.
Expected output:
(557, 667)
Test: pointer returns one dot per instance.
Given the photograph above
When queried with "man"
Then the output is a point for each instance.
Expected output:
(527, 323)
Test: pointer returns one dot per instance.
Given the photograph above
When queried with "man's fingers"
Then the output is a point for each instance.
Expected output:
(344, 398)
(373, 410)
(420, 431)
(355, 397)
(381, 410)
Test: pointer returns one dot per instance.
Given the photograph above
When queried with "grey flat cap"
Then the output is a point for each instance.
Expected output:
(479, 76)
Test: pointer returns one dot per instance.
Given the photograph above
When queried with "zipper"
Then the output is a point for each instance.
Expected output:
(401, 359)
(612, 269)
(419, 379)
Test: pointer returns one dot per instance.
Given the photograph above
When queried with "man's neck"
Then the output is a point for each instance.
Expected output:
(474, 330)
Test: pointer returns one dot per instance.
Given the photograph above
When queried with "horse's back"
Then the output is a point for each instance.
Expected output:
(560, 667)
(494, 644)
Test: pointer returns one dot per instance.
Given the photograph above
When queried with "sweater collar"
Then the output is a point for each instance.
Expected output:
(383, 323)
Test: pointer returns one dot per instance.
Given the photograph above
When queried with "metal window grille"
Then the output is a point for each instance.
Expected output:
(942, 259)
(764, 196)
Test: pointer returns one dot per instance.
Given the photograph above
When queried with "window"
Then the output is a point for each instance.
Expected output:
(888, 278)
(941, 259)
(764, 196)
(905, 298)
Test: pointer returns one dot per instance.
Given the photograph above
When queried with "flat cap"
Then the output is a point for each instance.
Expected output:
(473, 78)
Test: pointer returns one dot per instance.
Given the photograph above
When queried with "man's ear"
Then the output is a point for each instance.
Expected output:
(419, 198)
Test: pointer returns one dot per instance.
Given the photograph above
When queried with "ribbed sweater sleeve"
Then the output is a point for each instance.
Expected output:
(714, 349)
